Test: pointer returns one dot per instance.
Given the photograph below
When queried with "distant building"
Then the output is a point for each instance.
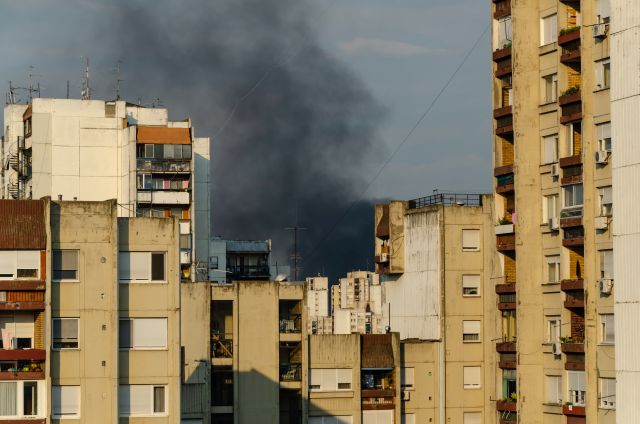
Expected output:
(358, 304)
(320, 320)
(237, 260)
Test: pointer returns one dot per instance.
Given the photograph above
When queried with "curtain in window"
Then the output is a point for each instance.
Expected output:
(8, 394)
(158, 399)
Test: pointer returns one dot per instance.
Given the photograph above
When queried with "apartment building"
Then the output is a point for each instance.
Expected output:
(95, 150)
(258, 352)
(553, 203)
(625, 103)
(354, 378)
(357, 305)
(319, 317)
(89, 314)
(437, 264)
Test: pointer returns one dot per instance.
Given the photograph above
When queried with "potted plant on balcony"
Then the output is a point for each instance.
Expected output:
(569, 405)
(571, 90)
(505, 226)
(569, 30)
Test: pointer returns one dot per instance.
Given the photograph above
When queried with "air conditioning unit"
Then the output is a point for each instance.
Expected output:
(553, 223)
(602, 157)
(555, 170)
(601, 222)
(600, 30)
(606, 285)
(406, 395)
(556, 348)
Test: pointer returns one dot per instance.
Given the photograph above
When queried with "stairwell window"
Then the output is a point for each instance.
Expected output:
(553, 269)
(470, 240)
(550, 144)
(554, 326)
(548, 29)
(550, 88)
(603, 74)
(606, 264)
(608, 393)
(605, 195)
(604, 136)
(554, 390)
(407, 378)
(141, 267)
(65, 333)
(65, 265)
(550, 209)
(470, 331)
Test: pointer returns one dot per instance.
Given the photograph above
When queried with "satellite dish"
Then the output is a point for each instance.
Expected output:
(281, 277)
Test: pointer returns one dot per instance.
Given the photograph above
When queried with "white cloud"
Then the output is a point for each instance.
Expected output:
(384, 47)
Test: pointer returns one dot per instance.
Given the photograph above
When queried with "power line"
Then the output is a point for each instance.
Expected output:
(404, 140)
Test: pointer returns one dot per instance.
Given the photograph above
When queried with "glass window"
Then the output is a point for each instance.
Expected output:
(577, 387)
(553, 269)
(550, 86)
(407, 378)
(472, 418)
(509, 383)
(606, 201)
(603, 10)
(572, 195)
(65, 401)
(143, 333)
(65, 333)
(606, 264)
(139, 399)
(608, 393)
(550, 208)
(169, 151)
(330, 379)
(65, 265)
(471, 285)
(509, 325)
(607, 329)
(141, 266)
(504, 33)
(554, 329)
(554, 389)
(604, 136)
(148, 151)
(471, 331)
(550, 144)
(548, 29)
(603, 74)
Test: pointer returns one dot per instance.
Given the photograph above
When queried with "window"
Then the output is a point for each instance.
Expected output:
(142, 400)
(608, 393)
(19, 264)
(471, 331)
(550, 144)
(572, 195)
(65, 265)
(554, 389)
(603, 10)
(65, 333)
(407, 378)
(148, 151)
(21, 399)
(143, 333)
(603, 74)
(606, 264)
(606, 201)
(504, 33)
(574, 138)
(330, 379)
(340, 419)
(470, 240)
(554, 329)
(509, 325)
(472, 418)
(141, 266)
(553, 269)
(550, 208)
(548, 30)
(550, 87)
(20, 328)
(577, 387)
(471, 285)
(65, 401)
(408, 419)
(471, 377)
(604, 136)
(607, 329)
(213, 262)
(509, 383)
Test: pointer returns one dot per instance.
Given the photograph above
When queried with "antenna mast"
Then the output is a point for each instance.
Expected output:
(85, 92)
(295, 257)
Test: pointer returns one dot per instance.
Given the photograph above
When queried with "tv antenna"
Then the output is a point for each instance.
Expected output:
(116, 71)
(32, 89)
(295, 257)
(85, 92)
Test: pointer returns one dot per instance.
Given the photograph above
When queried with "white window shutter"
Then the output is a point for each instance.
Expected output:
(150, 332)
(8, 263)
(28, 259)
(470, 239)
(471, 376)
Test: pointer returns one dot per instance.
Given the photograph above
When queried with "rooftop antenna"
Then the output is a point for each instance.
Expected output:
(85, 92)
(33, 89)
(295, 257)
(67, 89)
(118, 79)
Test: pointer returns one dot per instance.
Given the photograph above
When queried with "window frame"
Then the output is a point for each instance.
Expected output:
(404, 373)
(53, 338)
(556, 382)
(77, 270)
(603, 132)
(12, 256)
(553, 328)
(550, 88)
(151, 389)
(548, 34)
(557, 264)
(546, 215)
(605, 200)
(603, 74)
(337, 379)
(574, 196)
(580, 398)
(472, 386)
(604, 395)
(555, 139)
(466, 332)
(607, 322)
(479, 240)
(605, 266)
(150, 280)
(19, 405)
(77, 415)
(133, 346)
(471, 283)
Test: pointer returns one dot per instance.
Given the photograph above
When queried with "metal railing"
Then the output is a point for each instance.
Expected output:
(290, 323)
(221, 345)
(446, 199)
(164, 165)
(290, 372)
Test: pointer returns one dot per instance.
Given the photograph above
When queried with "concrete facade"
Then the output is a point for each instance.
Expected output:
(358, 304)
(553, 209)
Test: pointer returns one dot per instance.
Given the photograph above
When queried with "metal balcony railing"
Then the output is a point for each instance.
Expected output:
(290, 323)
(163, 165)
(290, 372)
(446, 199)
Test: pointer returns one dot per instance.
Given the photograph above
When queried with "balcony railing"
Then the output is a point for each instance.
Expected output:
(290, 372)
(507, 405)
(163, 165)
(221, 345)
(290, 323)
(248, 271)
(507, 346)
(446, 199)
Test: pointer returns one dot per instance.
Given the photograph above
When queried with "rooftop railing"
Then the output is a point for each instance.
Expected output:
(446, 199)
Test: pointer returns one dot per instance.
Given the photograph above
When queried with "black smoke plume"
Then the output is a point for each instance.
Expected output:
(294, 131)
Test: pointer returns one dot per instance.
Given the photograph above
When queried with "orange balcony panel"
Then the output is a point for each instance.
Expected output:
(571, 222)
(22, 355)
(501, 54)
(507, 365)
(571, 56)
(569, 37)
(573, 410)
(568, 161)
(22, 306)
(503, 170)
(505, 288)
(506, 347)
(506, 405)
(566, 285)
(22, 285)
(572, 347)
(21, 375)
(506, 242)
(573, 242)
(502, 112)
(570, 98)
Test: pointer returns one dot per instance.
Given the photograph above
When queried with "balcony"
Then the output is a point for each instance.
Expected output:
(573, 237)
(22, 355)
(571, 55)
(505, 183)
(506, 347)
(508, 361)
(502, 112)
(568, 36)
(574, 410)
(504, 125)
(571, 104)
(221, 345)
(502, 54)
(503, 68)
(163, 166)
(571, 346)
(290, 372)
(502, 8)
(570, 222)
(575, 362)
(568, 285)
(569, 161)
(507, 302)
(291, 323)
(168, 197)
(506, 242)
(507, 405)
(505, 288)
(378, 389)
(574, 300)
(504, 229)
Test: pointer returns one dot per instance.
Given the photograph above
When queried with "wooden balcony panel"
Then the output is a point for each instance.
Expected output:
(573, 410)
(574, 366)
(369, 393)
(571, 56)
(505, 288)
(502, 9)
(566, 285)
(571, 222)
(569, 37)
(23, 355)
(573, 242)
(25, 421)
(22, 285)
(570, 98)
(502, 112)
(503, 71)
(503, 170)
(505, 131)
(572, 179)
(570, 161)
(501, 54)
(506, 405)
(506, 347)
(572, 347)
(572, 117)
(376, 407)
(506, 306)
(573, 303)
(507, 365)
(22, 306)
(507, 188)
(21, 375)
(506, 242)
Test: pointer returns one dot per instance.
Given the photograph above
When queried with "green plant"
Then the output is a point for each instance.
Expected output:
(569, 403)
(566, 339)
(569, 30)
(504, 221)
(514, 397)
(571, 90)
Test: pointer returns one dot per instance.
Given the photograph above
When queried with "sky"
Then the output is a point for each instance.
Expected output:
(395, 56)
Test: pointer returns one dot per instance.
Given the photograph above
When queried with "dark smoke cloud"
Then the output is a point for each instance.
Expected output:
(301, 144)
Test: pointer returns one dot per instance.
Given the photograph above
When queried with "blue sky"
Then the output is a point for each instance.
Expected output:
(403, 50)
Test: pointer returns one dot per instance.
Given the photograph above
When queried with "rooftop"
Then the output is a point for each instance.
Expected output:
(459, 199)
